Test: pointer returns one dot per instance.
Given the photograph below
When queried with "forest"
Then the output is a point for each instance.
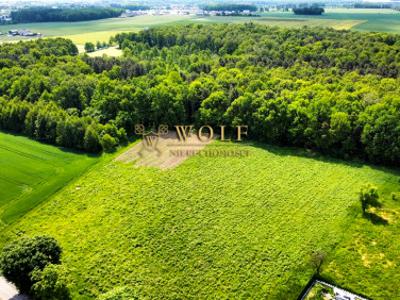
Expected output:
(49, 14)
(313, 10)
(336, 92)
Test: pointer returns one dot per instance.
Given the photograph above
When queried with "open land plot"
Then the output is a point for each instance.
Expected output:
(224, 227)
(30, 172)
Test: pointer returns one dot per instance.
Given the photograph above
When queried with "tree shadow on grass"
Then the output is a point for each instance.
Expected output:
(61, 148)
(375, 219)
(322, 157)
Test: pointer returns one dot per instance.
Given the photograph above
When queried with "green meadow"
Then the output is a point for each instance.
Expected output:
(31, 172)
(223, 228)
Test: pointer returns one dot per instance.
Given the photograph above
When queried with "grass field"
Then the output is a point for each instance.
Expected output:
(384, 20)
(30, 172)
(92, 31)
(223, 228)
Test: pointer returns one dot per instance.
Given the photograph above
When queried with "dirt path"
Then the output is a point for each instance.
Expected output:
(166, 151)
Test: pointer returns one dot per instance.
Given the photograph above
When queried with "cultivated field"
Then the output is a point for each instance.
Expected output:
(222, 227)
(30, 172)
(384, 20)
(92, 31)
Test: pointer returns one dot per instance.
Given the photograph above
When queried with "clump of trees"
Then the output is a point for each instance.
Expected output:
(89, 47)
(311, 10)
(33, 265)
(49, 14)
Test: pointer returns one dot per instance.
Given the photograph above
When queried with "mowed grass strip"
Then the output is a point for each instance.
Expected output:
(233, 227)
(31, 171)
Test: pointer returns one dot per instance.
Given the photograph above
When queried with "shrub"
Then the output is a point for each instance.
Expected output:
(369, 197)
(91, 140)
(50, 283)
(317, 259)
(395, 196)
(89, 47)
(108, 143)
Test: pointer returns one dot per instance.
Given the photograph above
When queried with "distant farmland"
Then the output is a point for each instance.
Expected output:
(31, 172)
(383, 20)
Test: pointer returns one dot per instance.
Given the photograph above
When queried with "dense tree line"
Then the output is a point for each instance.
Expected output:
(334, 91)
(312, 10)
(271, 47)
(49, 14)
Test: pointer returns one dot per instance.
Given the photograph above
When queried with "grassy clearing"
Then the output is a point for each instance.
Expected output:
(101, 36)
(31, 172)
(211, 227)
(112, 51)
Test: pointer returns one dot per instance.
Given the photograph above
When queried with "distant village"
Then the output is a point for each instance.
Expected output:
(187, 11)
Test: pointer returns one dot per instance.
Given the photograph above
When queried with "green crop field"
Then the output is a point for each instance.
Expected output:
(31, 172)
(384, 20)
(222, 228)
(380, 20)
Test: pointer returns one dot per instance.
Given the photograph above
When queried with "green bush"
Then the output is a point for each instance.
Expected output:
(50, 283)
(108, 143)
(369, 197)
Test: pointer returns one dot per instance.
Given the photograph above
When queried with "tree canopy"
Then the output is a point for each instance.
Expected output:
(49, 14)
(333, 91)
